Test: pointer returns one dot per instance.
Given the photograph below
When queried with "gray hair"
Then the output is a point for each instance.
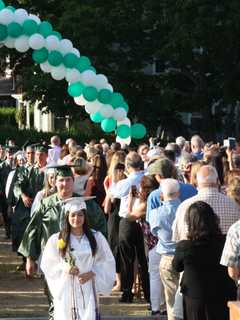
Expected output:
(180, 141)
(169, 187)
(196, 139)
(134, 160)
(207, 175)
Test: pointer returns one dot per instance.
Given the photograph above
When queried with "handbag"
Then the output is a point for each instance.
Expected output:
(97, 311)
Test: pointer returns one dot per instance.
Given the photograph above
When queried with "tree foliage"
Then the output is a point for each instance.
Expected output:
(196, 44)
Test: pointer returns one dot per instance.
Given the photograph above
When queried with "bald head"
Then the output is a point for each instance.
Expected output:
(55, 141)
(207, 177)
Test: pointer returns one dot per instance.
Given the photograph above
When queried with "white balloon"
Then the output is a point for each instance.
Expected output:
(22, 44)
(58, 73)
(76, 52)
(73, 75)
(20, 15)
(123, 142)
(46, 67)
(37, 41)
(125, 121)
(80, 100)
(34, 18)
(92, 107)
(9, 42)
(109, 87)
(119, 114)
(6, 16)
(88, 77)
(106, 110)
(101, 81)
(65, 46)
(52, 43)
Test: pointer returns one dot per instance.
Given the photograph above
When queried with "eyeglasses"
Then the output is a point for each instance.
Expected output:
(30, 152)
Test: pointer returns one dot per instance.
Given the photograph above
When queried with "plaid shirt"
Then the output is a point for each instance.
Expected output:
(226, 209)
(231, 250)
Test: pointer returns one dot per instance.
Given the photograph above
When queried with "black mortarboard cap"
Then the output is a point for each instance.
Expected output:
(27, 144)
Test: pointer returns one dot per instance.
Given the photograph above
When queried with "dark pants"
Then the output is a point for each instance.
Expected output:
(196, 309)
(131, 243)
(6, 218)
(50, 301)
(113, 233)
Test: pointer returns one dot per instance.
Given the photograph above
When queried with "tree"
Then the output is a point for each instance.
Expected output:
(196, 43)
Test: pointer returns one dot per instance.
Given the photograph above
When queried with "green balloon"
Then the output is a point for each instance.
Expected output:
(125, 106)
(3, 32)
(70, 60)
(55, 58)
(92, 69)
(40, 56)
(108, 125)
(138, 131)
(105, 96)
(57, 34)
(117, 100)
(45, 29)
(96, 117)
(11, 8)
(2, 5)
(123, 131)
(83, 64)
(90, 93)
(14, 30)
(75, 89)
(30, 27)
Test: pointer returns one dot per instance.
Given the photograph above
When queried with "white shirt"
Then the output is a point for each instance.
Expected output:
(121, 190)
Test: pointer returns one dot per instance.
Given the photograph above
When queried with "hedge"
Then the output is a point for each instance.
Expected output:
(7, 116)
(21, 136)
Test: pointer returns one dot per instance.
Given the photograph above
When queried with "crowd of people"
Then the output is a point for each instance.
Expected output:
(158, 221)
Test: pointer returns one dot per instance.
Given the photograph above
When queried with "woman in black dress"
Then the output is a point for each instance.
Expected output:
(205, 285)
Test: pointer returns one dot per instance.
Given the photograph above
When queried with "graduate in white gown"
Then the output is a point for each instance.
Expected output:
(75, 261)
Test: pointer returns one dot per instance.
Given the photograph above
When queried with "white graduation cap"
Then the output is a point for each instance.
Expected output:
(76, 204)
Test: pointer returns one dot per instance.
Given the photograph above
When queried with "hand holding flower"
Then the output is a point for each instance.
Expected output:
(74, 271)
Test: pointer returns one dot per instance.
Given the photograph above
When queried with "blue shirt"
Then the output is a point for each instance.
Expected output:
(161, 225)
(198, 155)
(154, 201)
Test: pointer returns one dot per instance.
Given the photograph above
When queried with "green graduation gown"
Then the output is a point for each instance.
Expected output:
(28, 180)
(48, 219)
(5, 168)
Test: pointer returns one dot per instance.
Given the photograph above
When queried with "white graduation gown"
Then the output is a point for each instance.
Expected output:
(61, 283)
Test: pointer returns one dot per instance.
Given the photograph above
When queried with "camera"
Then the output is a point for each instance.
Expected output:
(230, 143)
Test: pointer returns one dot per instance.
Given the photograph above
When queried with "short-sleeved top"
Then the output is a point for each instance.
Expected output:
(231, 251)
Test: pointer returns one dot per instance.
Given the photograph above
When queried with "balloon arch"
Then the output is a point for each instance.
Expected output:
(57, 56)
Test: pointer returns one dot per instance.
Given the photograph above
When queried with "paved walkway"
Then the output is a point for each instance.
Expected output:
(23, 299)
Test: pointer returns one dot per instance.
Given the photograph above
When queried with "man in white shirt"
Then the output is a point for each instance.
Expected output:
(130, 233)
(55, 151)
